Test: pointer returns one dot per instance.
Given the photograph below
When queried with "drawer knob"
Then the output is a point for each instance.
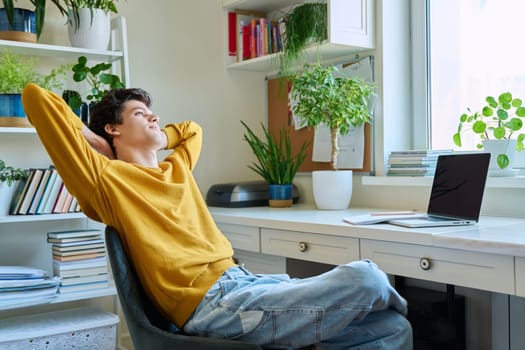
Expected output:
(425, 263)
(303, 247)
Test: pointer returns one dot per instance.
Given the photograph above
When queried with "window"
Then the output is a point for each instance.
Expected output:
(469, 49)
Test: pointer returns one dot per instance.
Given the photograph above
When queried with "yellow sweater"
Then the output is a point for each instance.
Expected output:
(165, 225)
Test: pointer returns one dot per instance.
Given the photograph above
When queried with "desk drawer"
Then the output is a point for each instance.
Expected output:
(309, 246)
(458, 267)
(242, 237)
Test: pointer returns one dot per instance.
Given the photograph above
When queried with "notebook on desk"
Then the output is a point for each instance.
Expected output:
(457, 192)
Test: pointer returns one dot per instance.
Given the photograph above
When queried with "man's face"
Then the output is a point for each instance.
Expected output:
(140, 127)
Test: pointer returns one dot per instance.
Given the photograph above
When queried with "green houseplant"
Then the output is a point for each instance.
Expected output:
(9, 174)
(304, 25)
(17, 71)
(40, 12)
(500, 119)
(97, 77)
(325, 98)
(275, 161)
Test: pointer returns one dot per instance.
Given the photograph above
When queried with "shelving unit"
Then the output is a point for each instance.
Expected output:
(350, 31)
(23, 238)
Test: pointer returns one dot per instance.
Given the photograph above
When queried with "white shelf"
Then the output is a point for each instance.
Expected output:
(350, 31)
(9, 130)
(64, 298)
(67, 52)
(36, 218)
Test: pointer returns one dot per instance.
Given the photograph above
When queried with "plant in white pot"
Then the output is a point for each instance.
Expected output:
(498, 127)
(89, 22)
(323, 97)
(276, 163)
(8, 177)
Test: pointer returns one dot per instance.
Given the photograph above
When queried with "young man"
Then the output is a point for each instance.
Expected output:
(183, 261)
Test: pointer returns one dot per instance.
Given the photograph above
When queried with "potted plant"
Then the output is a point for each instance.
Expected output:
(16, 72)
(89, 22)
(325, 98)
(8, 177)
(275, 163)
(17, 19)
(305, 24)
(498, 126)
(98, 79)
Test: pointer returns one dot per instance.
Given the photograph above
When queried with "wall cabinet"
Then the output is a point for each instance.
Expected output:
(351, 29)
(23, 238)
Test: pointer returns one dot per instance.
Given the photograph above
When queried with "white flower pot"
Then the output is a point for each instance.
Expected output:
(91, 34)
(6, 196)
(332, 190)
(495, 147)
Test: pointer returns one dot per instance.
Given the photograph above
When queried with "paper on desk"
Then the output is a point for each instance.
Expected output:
(368, 219)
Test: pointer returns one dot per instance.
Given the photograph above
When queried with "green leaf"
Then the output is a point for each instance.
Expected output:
(502, 114)
(514, 124)
(457, 139)
(505, 98)
(516, 102)
(520, 112)
(491, 101)
(463, 118)
(487, 111)
(499, 133)
(503, 161)
(479, 127)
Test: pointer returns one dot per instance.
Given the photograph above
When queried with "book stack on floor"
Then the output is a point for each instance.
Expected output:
(413, 163)
(79, 259)
(23, 285)
(42, 192)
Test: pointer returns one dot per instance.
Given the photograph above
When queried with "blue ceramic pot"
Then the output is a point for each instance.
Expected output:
(23, 21)
(280, 196)
(11, 105)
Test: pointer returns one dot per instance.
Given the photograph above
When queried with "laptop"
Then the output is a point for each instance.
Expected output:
(457, 192)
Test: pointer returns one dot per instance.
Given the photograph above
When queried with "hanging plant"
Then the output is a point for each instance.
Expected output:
(304, 25)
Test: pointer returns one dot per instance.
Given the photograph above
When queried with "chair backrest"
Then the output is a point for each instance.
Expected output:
(147, 327)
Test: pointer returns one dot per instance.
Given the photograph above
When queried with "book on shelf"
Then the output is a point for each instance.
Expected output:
(83, 287)
(77, 265)
(27, 197)
(78, 251)
(39, 191)
(81, 272)
(51, 200)
(88, 237)
(74, 233)
(68, 281)
(82, 244)
(78, 257)
(47, 191)
(20, 190)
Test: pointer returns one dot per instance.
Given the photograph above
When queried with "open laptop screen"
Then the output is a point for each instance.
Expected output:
(458, 186)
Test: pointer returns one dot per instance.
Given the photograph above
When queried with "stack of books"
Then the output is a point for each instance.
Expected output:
(79, 259)
(413, 163)
(23, 285)
(42, 192)
(251, 34)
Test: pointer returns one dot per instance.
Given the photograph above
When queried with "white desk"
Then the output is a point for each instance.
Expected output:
(488, 256)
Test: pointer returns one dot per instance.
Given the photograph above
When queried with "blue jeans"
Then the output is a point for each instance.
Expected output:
(353, 306)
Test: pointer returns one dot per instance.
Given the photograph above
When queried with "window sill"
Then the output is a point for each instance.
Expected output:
(426, 181)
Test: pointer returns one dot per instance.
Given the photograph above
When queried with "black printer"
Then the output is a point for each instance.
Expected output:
(241, 194)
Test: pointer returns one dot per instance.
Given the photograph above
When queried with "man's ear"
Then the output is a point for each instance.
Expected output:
(112, 129)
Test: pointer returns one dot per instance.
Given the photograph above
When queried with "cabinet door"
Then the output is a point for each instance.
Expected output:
(260, 263)
(310, 246)
(463, 268)
(351, 22)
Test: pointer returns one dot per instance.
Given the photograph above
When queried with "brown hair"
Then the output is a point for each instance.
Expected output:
(108, 110)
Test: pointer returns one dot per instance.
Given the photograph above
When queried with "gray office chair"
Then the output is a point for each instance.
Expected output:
(147, 327)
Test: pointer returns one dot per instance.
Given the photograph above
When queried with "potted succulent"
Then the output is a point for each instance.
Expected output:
(275, 163)
(99, 81)
(498, 126)
(325, 98)
(89, 22)
(16, 72)
(17, 18)
(8, 177)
